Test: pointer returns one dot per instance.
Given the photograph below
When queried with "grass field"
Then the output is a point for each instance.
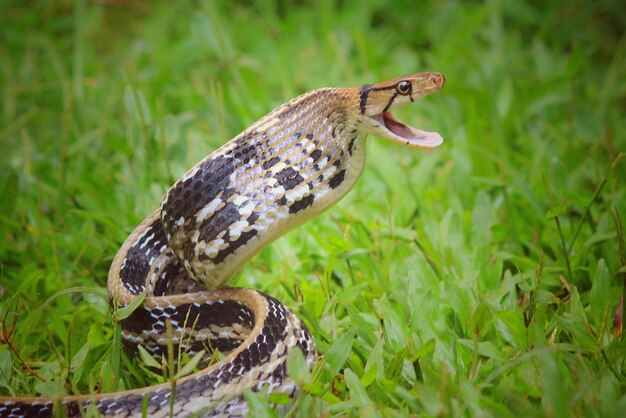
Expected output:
(482, 278)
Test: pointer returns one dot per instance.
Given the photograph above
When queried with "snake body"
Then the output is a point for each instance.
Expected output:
(287, 167)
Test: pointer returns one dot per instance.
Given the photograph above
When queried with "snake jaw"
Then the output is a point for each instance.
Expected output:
(377, 101)
(387, 126)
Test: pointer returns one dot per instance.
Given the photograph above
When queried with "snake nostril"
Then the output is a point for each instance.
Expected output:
(438, 80)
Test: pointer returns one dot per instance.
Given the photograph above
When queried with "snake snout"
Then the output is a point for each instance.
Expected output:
(438, 80)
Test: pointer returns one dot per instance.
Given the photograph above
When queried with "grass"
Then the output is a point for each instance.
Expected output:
(479, 279)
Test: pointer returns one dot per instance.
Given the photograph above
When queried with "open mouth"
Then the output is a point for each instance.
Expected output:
(405, 134)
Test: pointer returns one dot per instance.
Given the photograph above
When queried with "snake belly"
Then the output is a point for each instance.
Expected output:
(284, 169)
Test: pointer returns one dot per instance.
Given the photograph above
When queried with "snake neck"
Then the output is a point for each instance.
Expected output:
(287, 167)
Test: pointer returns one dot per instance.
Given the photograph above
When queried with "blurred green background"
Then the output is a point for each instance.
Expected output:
(478, 279)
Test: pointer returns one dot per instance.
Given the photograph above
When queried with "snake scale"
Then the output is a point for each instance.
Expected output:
(287, 167)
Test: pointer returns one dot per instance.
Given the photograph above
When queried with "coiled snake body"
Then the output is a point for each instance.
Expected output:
(287, 167)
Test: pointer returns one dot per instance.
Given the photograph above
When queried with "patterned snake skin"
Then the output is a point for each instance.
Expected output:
(287, 167)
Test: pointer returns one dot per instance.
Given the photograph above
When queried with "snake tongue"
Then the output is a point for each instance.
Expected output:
(408, 135)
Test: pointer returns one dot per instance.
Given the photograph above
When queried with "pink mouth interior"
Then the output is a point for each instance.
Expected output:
(411, 135)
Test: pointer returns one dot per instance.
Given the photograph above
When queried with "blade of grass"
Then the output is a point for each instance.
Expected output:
(618, 319)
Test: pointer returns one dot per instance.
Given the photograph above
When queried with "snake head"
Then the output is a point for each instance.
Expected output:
(378, 100)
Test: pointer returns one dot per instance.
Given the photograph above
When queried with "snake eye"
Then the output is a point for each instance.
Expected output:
(404, 87)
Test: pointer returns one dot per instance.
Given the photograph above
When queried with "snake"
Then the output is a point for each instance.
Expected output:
(287, 167)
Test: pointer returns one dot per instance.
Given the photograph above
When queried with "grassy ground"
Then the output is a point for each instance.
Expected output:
(478, 279)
